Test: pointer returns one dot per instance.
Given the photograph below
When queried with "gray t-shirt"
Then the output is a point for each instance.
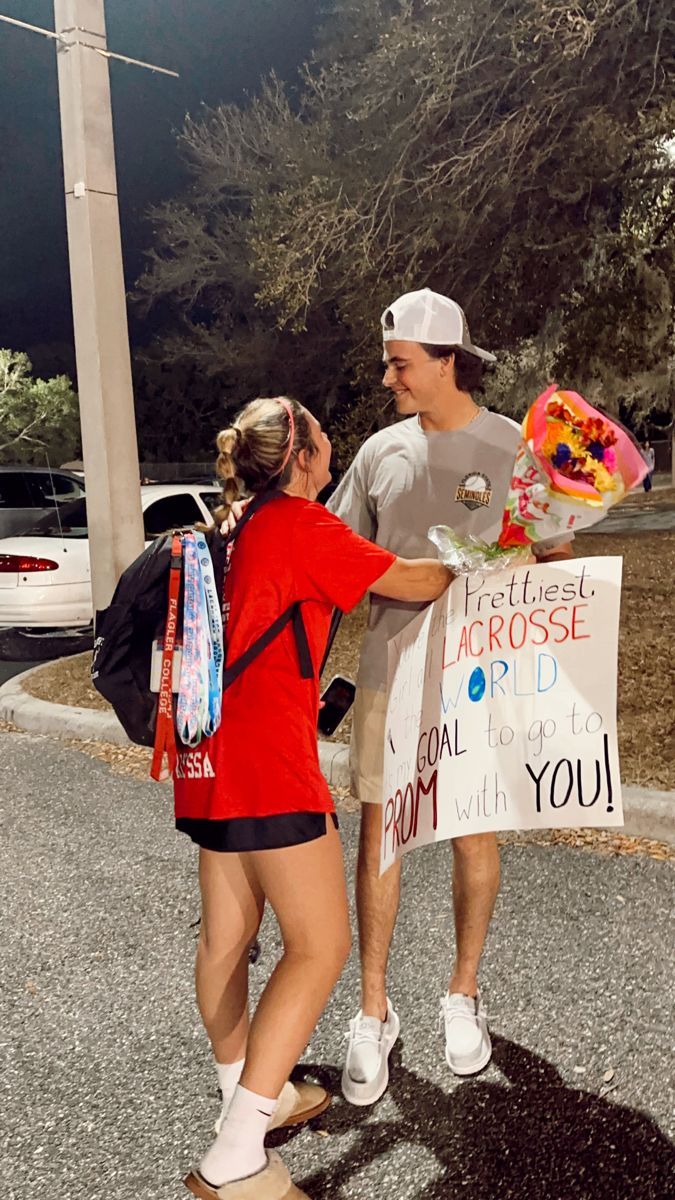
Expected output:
(402, 481)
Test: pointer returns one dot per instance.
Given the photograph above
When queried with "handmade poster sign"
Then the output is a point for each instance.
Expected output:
(502, 707)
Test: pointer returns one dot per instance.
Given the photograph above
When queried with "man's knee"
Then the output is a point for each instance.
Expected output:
(476, 847)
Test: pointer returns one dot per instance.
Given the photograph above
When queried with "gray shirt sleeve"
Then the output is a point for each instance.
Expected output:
(351, 502)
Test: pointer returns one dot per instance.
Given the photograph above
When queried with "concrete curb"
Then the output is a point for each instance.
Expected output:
(56, 720)
(648, 814)
(60, 720)
(334, 763)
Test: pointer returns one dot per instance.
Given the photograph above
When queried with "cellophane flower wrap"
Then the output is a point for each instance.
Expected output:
(571, 467)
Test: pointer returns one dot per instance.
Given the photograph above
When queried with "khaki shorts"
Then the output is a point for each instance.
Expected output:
(366, 750)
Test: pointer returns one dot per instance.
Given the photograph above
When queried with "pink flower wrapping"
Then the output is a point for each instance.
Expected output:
(573, 465)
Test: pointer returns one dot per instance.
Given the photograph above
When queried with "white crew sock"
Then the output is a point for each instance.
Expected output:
(239, 1150)
(229, 1075)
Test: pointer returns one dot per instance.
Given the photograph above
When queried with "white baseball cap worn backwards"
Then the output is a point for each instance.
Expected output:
(428, 317)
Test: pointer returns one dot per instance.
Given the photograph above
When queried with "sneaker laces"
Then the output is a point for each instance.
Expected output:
(451, 1008)
(363, 1030)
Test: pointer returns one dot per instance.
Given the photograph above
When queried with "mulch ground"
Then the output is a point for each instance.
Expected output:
(646, 672)
(646, 664)
(657, 499)
(67, 681)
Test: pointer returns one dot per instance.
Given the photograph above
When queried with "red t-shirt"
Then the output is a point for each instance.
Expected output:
(263, 759)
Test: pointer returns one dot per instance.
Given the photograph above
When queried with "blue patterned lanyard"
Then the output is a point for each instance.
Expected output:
(199, 695)
(212, 618)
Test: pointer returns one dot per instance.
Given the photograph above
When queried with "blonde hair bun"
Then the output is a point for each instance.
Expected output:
(228, 439)
(259, 448)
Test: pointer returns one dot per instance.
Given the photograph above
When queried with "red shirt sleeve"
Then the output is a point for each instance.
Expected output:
(330, 562)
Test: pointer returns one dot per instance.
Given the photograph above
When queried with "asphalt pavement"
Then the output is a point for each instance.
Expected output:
(107, 1091)
(9, 669)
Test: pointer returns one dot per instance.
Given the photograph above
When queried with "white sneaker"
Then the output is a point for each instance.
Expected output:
(366, 1070)
(467, 1041)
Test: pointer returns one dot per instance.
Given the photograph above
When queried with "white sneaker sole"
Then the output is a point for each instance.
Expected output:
(363, 1094)
(472, 1067)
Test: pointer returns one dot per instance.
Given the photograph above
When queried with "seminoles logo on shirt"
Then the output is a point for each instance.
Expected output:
(475, 490)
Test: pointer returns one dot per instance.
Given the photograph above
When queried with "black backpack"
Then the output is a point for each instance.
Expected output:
(136, 616)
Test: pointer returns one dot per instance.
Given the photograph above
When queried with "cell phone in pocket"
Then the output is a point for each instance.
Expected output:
(338, 699)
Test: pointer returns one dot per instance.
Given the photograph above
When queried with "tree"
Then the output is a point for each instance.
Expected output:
(614, 335)
(495, 152)
(622, 321)
(37, 416)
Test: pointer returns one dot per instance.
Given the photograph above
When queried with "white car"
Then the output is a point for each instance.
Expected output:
(28, 493)
(44, 572)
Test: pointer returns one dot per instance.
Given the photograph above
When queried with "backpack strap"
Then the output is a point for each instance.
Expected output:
(334, 626)
(302, 643)
(251, 509)
(218, 542)
(165, 738)
(292, 613)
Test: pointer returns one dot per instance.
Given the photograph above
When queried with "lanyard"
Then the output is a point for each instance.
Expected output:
(193, 688)
(214, 629)
(165, 740)
(199, 696)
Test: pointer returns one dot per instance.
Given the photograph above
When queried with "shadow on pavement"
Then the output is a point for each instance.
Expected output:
(529, 1138)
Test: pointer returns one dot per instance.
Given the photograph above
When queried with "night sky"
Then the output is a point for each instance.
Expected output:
(220, 47)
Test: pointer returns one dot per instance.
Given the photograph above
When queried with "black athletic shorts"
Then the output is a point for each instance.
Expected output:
(239, 834)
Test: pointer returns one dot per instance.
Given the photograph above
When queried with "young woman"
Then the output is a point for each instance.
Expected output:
(253, 796)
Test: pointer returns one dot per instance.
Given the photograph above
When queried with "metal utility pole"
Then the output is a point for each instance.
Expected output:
(110, 449)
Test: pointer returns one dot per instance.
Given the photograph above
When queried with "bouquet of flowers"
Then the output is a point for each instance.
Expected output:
(572, 465)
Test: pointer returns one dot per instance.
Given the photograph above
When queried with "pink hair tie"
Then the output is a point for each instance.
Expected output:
(291, 433)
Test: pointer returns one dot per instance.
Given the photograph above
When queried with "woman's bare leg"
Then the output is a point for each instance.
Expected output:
(306, 887)
(232, 908)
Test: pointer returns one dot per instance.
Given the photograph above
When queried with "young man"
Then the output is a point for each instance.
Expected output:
(449, 463)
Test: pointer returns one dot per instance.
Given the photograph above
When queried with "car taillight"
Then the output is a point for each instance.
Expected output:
(23, 563)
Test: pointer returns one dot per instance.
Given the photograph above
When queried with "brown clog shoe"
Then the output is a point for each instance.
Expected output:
(272, 1183)
(298, 1102)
